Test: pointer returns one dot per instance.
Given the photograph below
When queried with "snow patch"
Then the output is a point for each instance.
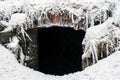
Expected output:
(106, 69)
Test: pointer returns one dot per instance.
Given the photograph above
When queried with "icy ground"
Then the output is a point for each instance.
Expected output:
(106, 69)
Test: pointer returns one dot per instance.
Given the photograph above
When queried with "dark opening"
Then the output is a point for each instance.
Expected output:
(59, 50)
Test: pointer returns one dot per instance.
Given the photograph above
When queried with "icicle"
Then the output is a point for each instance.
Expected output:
(100, 17)
(96, 56)
(105, 16)
(26, 25)
(107, 51)
(87, 61)
(22, 31)
(101, 50)
(73, 18)
(92, 21)
(92, 51)
(117, 42)
(39, 20)
(93, 57)
(87, 20)
(27, 36)
(47, 17)
(24, 34)
(32, 25)
(22, 56)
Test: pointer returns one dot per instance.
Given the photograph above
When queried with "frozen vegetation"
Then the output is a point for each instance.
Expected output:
(27, 11)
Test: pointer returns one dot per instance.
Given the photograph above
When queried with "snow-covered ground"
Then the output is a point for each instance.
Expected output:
(106, 69)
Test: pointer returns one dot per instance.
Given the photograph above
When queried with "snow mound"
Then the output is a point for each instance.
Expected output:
(100, 41)
(106, 69)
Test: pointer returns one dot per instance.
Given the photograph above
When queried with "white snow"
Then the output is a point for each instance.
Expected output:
(13, 42)
(17, 19)
(106, 69)
(99, 31)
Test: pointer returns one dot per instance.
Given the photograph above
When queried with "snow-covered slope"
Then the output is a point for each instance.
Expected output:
(106, 69)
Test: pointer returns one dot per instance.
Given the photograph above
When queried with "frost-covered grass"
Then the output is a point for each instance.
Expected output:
(12, 11)
(106, 69)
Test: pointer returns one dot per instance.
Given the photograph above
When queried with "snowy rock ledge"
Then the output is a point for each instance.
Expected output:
(106, 69)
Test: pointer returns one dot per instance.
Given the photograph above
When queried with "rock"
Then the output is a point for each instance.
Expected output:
(2, 28)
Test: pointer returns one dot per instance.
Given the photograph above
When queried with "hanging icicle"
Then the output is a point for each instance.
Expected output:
(87, 20)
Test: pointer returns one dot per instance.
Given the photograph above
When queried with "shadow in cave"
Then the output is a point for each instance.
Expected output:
(60, 50)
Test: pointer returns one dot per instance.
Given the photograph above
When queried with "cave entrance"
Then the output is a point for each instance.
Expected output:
(59, 50)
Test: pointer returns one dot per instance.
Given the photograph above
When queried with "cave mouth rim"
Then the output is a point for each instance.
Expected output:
(59, 26)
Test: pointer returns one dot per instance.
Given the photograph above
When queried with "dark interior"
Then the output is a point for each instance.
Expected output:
(60, 50)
